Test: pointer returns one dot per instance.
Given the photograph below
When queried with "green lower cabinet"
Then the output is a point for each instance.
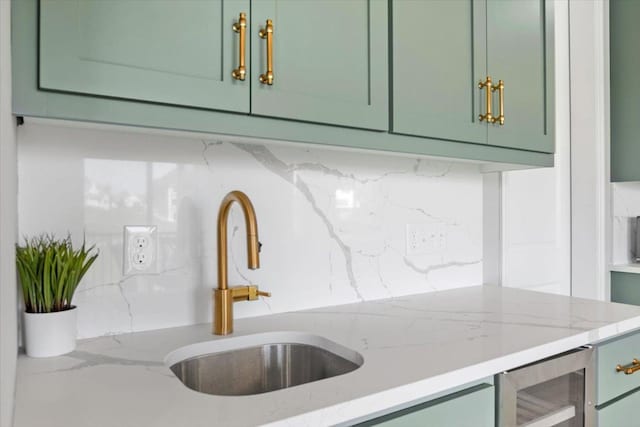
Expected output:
(618, 393)
(612, 384)
(621, 413)
(473, 407)
(625, 288)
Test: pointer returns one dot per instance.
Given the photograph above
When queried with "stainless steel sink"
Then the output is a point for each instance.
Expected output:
(262, 368)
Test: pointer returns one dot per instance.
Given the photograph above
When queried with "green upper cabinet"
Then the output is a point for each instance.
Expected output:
(624, 16)
(439, 56)
(329, 61)
(163, 51)
(443, 49)
(169, 64)
(520, 53)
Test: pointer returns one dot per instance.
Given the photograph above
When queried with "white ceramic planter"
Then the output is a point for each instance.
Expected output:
(50, 334)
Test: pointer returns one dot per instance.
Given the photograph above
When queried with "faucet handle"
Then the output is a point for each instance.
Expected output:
(254, 293)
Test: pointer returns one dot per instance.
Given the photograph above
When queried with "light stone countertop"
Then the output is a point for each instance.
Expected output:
(413, 347)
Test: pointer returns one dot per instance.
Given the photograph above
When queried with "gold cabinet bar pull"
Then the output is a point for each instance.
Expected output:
(629, 369)
(267, 33)
(240, 27)
(487, 85)
(500, 89)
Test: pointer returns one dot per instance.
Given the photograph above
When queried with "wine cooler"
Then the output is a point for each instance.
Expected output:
(558, 391)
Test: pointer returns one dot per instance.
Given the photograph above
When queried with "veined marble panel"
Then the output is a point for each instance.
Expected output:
(333, 223)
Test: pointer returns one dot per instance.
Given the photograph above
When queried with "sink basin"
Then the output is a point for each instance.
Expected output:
(260, 363)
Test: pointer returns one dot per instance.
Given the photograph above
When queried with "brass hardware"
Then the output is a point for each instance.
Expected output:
(629, 369)
(488, 86)
(241, 28)
(248, 293)
(267, 33)
(500, 89)
(223, 296)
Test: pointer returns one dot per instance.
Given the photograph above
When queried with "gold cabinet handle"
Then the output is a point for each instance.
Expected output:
(267, 33)
(629, 369)
(500, 89)
(240, 27)
(487, 85)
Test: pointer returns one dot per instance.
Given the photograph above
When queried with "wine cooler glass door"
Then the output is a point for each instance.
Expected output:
(549, 393)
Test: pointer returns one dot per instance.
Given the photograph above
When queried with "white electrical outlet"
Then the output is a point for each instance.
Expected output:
(140, 249)
(426, 238)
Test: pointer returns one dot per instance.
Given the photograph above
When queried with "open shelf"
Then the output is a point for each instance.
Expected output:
(626, 268)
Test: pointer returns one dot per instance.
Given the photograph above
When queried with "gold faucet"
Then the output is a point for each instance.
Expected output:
(224, 297)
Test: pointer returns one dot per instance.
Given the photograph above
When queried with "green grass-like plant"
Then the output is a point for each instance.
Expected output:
(50, 271)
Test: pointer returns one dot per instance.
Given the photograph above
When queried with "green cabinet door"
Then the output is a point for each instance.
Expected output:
(164, 51)
(474, 407)
(620, 413)
(329, 61)
(443, 49)
(520, 52)
(625, 288)
(624, 16)
(617, 393)
(439, 56)
(611, 383)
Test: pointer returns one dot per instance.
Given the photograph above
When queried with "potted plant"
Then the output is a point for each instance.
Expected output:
(50, 270)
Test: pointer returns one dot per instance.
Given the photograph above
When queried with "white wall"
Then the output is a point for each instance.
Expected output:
(589, 151)
(333, 223)
(536, 204)
(534, 238)
(8, 328)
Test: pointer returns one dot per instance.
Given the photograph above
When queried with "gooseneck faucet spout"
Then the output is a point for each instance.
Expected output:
(223, 296)
(253, 257)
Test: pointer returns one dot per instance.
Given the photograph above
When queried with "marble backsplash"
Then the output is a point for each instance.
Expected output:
(332, 222)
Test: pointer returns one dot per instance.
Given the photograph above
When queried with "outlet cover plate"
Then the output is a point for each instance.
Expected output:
(426, 238)
(140, 249)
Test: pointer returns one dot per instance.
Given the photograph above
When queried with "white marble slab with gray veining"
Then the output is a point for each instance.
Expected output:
(413, 347)
(333, 223)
